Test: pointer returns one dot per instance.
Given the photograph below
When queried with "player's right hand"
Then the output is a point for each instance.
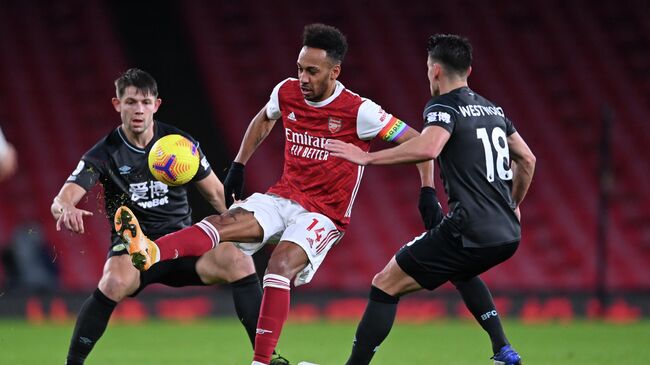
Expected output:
(429, 207)
(233, 185)
(72, 219)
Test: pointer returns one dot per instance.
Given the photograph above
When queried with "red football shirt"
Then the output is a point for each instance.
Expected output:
(317, 181)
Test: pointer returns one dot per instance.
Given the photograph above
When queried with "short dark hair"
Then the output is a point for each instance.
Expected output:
(141, 80)
(453, 51)
(328, 38)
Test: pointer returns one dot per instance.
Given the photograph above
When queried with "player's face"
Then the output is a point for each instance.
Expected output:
(317, 74)
(433, 73)
(136, 110)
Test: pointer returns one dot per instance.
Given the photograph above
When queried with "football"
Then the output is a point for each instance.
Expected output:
(174, 160)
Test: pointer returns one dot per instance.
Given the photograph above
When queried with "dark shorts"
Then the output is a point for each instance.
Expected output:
(117, 248)
(438, 256)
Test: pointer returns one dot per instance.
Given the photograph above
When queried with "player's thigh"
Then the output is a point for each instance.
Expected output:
(224, 264)
(253, 220)
(314, 234)
(432, 258)
(237, 224)
(119, 278)
(394, 281)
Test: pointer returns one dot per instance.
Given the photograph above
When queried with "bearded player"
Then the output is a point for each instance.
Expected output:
(307, 211)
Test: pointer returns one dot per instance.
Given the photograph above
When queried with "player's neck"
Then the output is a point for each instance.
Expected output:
(330, 91)
(140, 140)
(452, 85)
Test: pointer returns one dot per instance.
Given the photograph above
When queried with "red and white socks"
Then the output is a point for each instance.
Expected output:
(191, 241)
(273, 314)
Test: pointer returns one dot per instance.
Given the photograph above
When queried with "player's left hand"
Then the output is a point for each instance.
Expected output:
(347, 151)
(429, 207)
(233, 184)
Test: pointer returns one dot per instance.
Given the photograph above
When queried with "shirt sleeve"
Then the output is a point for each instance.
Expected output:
(441, 115)
(273, 111)
(86, 174)
(373, 121)
(204, 167)
(510, 128)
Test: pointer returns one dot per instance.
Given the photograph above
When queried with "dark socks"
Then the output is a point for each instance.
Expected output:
(176, 273)
(479, 301)
(91, 324)
(247, 295)
(375, 325)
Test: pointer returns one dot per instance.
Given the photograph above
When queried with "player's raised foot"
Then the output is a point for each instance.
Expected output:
(277, 359)
(143, 251)
(507, 356)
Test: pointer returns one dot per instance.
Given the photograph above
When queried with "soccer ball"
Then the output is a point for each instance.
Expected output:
(174, 160)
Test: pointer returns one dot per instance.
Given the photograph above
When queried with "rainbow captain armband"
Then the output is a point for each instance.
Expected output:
(393, 130)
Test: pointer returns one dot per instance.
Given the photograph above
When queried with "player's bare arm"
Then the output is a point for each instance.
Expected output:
(523, 167)
(424, 168)
(258, 129)
(424, 147)
(212, 190)
(64, 208)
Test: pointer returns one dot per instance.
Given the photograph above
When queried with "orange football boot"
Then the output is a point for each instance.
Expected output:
(143, 251)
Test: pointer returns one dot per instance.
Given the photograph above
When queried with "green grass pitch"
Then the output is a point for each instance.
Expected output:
(223, 341)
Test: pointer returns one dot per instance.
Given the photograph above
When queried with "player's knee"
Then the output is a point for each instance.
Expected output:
(225, 264)
(241, 267)
(380, 280)
(216, 220)
(116, 287)
(209, 272)
(393, 281)
(287, 260)
(236, 264)
(282, 265)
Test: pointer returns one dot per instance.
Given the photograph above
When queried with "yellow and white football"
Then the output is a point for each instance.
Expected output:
(174, 160)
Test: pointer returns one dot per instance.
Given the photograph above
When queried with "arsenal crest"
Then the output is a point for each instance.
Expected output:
(334, 125)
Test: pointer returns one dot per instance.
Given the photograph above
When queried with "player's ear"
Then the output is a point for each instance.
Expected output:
(116, 104)
(469, 71)
(436, 70)
(335, 72)
(157, 105)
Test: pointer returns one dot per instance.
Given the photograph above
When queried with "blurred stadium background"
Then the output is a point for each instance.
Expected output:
(574, 76)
